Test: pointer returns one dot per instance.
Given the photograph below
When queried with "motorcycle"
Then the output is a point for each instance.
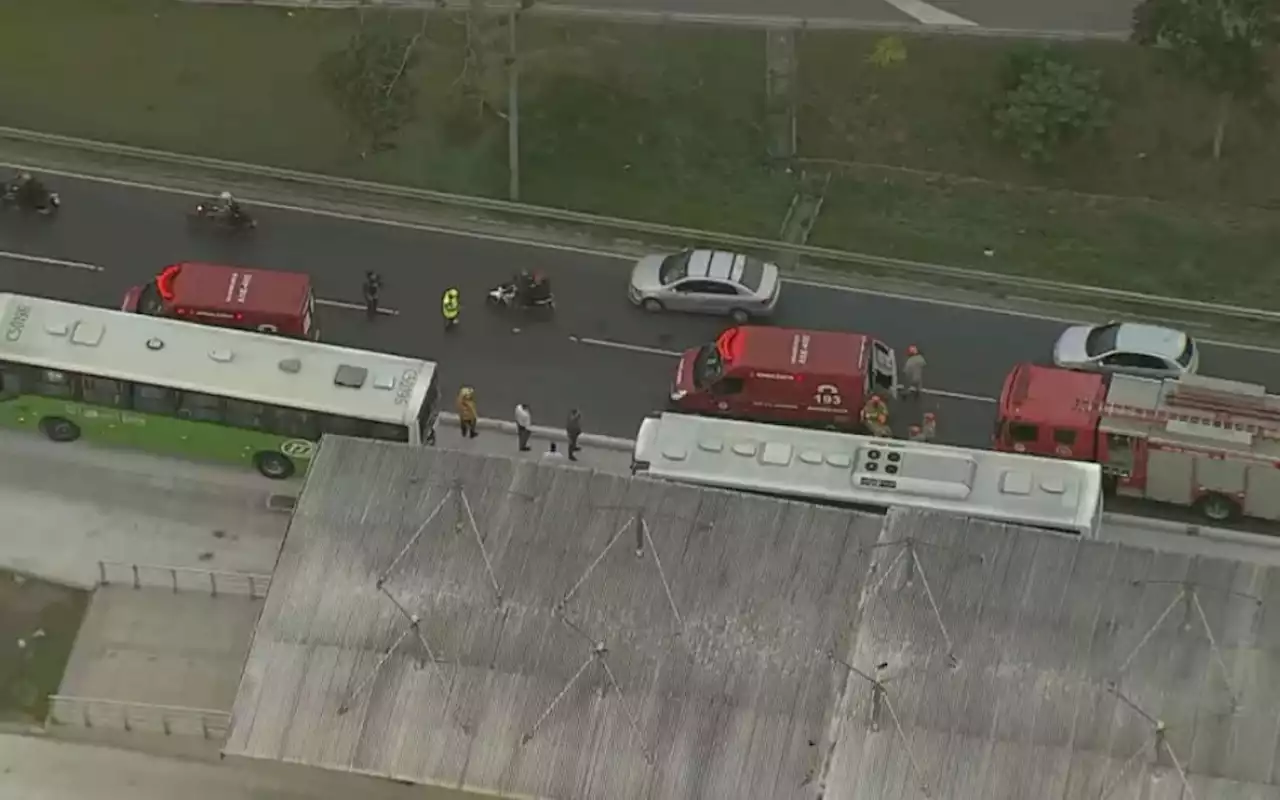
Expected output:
(52, 202)
(209, 212)
(506, 295)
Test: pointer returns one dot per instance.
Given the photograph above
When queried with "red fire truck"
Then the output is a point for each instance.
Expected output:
(1205, 443)
(268, 301)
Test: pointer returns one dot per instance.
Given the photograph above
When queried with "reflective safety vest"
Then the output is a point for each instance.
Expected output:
(449, 305)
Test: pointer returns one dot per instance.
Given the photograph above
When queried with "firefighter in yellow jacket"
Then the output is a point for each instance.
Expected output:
(450, 307)
(875, 417)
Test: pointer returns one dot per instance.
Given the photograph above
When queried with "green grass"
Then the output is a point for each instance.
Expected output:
(38, 625)
(668, 124)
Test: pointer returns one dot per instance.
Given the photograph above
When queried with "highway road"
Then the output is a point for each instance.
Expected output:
(598, 353)
(1091, 16)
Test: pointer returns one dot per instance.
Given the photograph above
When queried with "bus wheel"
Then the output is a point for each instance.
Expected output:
(1218, 507)
(273, 465)
(59, 429)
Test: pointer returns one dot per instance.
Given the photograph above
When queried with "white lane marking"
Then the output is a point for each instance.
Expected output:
(390, 312)
(52, 262)
(597, 252)
(639, 348)
(930, 15)
(977, 398)
(634, 348)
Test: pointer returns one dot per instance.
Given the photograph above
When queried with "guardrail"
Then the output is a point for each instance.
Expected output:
(180, 579)
(674, 235)
(93, 712)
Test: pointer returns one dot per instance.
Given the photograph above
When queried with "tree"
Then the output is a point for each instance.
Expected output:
(1048, 103)
(367, 79)
(1225, 45)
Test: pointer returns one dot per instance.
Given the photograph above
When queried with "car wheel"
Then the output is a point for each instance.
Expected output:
(1218, 507)
(59, 429)
(651, 305)
(275, 466)
(740, 316)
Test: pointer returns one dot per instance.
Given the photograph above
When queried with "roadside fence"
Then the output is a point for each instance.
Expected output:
(183, 579)
(92, 712)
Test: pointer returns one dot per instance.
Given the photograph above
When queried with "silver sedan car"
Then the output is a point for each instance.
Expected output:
(1132, 348)
(706, 282)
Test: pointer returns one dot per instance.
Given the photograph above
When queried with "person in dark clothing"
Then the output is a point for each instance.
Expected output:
(372, 291)
(572, 430)
(28, 191)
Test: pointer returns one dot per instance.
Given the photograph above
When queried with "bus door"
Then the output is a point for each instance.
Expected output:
(430, 412)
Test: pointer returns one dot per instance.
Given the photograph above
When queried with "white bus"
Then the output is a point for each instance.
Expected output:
(877, 474)
(73, 371)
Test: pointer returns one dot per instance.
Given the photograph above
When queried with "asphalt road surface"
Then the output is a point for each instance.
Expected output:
(1091, 16)
(598, 353)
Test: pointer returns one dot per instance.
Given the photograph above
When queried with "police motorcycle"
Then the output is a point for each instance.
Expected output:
(18, 195)
(524, 292)
(222, 212)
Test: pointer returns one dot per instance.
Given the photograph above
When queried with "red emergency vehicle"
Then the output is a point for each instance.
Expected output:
(813, 378)
(268, 301)
(1194, 441)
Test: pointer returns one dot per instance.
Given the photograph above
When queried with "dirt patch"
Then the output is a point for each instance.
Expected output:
(39, 621)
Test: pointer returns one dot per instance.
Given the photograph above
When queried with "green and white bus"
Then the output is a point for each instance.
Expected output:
(72, 371)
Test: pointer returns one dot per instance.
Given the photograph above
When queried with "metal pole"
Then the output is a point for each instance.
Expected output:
(513, 109)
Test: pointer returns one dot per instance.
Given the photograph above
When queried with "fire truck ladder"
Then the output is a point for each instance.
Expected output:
(1229, 405)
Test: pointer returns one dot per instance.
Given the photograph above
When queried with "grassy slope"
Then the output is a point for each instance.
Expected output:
(666, 124)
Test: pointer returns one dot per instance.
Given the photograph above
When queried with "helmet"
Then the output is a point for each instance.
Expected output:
(225, 196)
(912, 350)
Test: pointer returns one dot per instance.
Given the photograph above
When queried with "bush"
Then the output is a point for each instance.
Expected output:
(1047, 103)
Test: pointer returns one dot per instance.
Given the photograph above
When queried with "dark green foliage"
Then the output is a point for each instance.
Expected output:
(370, 80)
(1048, 102)
(1224, 45)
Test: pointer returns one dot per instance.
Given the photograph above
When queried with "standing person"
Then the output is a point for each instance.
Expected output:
(913, 373)
(372, 291)
(572, 430)
(552, 452)
(450, 307)
(524, 425)
(467, 414)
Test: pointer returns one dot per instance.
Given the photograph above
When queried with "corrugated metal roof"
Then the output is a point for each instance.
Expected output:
(1045, 665)
(782, 649)
(713, 679)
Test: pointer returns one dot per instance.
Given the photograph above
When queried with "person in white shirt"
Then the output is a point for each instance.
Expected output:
(524, 425)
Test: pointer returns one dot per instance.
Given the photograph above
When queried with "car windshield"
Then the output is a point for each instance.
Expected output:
(1188, 353)
(707, 366)
(752, 273)
(674, 268)
(1101, 341)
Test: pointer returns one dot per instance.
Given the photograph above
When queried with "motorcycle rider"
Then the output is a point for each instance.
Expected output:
(28, 191)
(228, 208)
(532, 288)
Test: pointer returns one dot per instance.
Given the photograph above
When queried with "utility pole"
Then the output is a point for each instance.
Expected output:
(513, 108)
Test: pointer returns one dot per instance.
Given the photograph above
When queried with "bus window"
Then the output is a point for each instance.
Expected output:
(102, 392)
(14, 379)
(293, 423)
(153, 399)
(200, 407)
(344, 426)
(52, 383)
(245, 415)
(388, 433)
